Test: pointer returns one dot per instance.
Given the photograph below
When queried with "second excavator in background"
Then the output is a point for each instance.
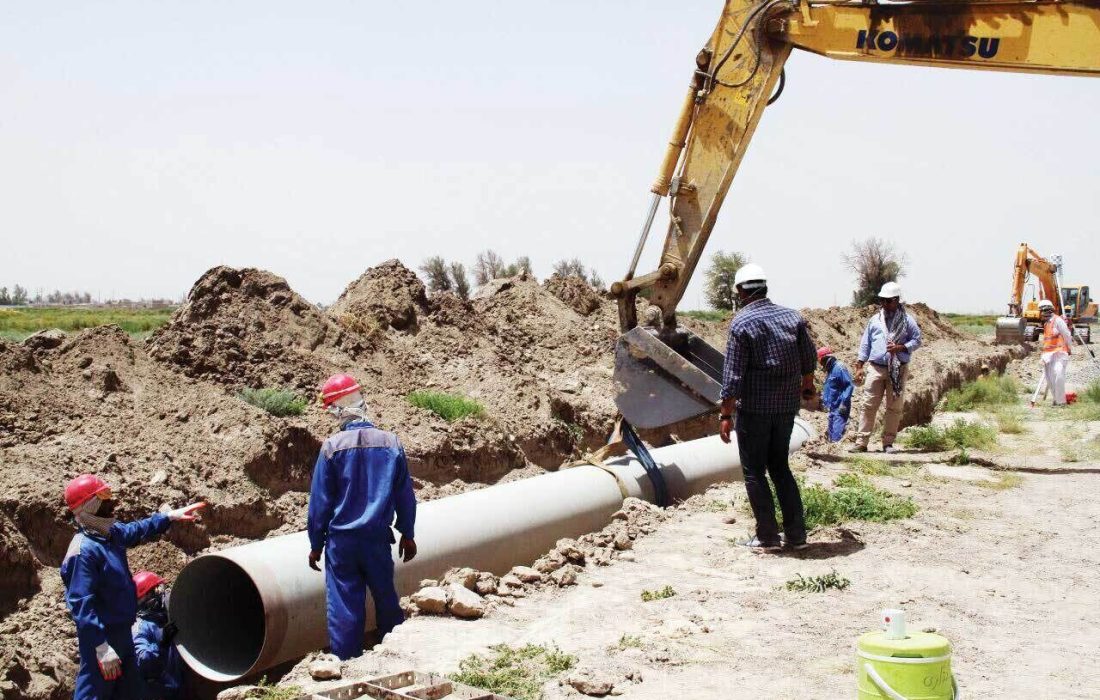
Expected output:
(665, 373)
(1023, 323)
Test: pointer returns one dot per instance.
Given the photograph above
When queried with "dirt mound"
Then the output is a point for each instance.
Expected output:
(389, 295)
(575, 292)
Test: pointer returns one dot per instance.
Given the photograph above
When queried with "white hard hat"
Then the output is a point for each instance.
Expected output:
(890, 290)
(1046, 304)
(750, 273)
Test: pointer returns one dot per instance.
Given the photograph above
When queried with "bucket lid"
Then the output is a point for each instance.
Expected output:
(915, 645)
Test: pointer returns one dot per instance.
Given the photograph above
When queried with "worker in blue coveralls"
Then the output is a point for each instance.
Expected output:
(100, 592)
(836, 393)
(157, 658)
(360, 482)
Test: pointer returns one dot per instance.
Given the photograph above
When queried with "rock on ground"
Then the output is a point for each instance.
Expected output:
(432, 599)
(464, 602)
(325, 667)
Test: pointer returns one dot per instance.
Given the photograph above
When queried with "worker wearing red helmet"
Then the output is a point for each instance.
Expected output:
(836, 392)
(360, 484)
(159, 662)
(99, 590)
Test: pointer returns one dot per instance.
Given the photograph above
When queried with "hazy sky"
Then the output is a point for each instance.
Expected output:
(142, 143)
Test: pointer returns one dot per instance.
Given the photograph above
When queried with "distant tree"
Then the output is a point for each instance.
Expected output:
(435, 269)
(18, 295)
(459, 279)
(488, 265)
(570, 268)
(523, 266)
(5, 298)
(718, 289)
(595, 280)
(874, 262)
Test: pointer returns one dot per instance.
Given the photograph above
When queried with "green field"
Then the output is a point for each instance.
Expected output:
(978, 324)
(17, 323)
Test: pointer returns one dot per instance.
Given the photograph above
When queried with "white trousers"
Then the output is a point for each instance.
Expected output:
(1054, 367)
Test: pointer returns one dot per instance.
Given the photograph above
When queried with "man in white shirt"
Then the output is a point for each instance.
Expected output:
(1057, 347)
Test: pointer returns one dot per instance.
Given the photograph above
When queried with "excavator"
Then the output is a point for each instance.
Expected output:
(665, 373)
(1023, 322)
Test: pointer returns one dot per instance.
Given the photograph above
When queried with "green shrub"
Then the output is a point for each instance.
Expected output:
(449, 407)
(1010, 421)
(628, 641)
(961, 434)
(666, 592)
(818, 584)
(277, 402)
(987, 391)
(853, 499)
(871, 467)
(268, 691)
(705, 315)
(518, 672)
(1091, 393)
(927, 438)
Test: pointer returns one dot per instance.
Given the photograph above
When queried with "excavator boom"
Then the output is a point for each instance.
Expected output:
(664, 373)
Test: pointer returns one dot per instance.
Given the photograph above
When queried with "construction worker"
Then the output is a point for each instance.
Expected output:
(157, 658)
(99, 590)
(360, 482)
(1057, 347)
(836, 392)
(890, 338)
(769, 367)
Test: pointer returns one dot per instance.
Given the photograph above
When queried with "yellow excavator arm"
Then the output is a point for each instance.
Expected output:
(665, 373)
(1022, 321)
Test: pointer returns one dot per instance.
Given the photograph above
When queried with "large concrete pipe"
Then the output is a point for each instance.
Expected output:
(250, 607)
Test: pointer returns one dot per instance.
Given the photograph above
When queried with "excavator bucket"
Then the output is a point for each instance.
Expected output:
(666, 379)
(1010, 330)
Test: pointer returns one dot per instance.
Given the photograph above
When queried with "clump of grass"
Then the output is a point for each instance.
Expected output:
(277, 402)
(1010, 421)
(871, 467)
(969, 434)
(628, 641)
(1003, 482)
(449, 407)
(1090, 394)
(818, 584)
(660, 594)
(927, 438)
(716, 506)
(1080, 451)
(960, 458)
(269, 691)
(983, 392)
(853, 499)
(962, 434)
(705, 315)
(517, 672)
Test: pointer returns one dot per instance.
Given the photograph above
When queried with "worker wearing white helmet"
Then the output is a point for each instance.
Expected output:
(769, 368)
(887, 345)
(1057, 347)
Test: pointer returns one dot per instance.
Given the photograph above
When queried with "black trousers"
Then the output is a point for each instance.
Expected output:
(763, 440)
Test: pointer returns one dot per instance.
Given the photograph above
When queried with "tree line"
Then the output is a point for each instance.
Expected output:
(18, 296)
(873, 261)
(443, 276)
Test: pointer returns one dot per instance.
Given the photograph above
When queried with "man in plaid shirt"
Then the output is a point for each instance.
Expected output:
(769, 368)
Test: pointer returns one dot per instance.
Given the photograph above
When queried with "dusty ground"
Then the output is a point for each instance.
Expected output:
(161, 420)
(1003, 566)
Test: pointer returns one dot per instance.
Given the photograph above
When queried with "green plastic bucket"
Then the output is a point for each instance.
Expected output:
(917, 667)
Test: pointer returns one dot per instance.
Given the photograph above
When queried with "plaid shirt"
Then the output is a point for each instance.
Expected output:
(768, 351)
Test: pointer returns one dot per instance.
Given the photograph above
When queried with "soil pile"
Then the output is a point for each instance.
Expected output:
(575, 292)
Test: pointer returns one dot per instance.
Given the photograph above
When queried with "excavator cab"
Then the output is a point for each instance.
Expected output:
(665, 377)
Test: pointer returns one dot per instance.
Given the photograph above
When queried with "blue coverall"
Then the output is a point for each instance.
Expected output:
(103, 601)
(160, 663)
(836, 397)
(361, 480)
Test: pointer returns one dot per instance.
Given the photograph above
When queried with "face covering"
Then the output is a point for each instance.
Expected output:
(96, 516)
(154, 607)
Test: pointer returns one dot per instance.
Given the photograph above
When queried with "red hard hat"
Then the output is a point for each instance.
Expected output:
(338, 386)
(823, 351)
(146, 581)
(81, 489)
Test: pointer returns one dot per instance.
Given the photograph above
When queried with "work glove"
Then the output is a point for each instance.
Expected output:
(314, 557)
(187, 513)
(169, 632)
(109, 663)
(406, 549)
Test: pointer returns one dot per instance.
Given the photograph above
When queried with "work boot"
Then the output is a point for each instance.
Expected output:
(796, 546)
(889, 449)
(757, 545)
(857, 448)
